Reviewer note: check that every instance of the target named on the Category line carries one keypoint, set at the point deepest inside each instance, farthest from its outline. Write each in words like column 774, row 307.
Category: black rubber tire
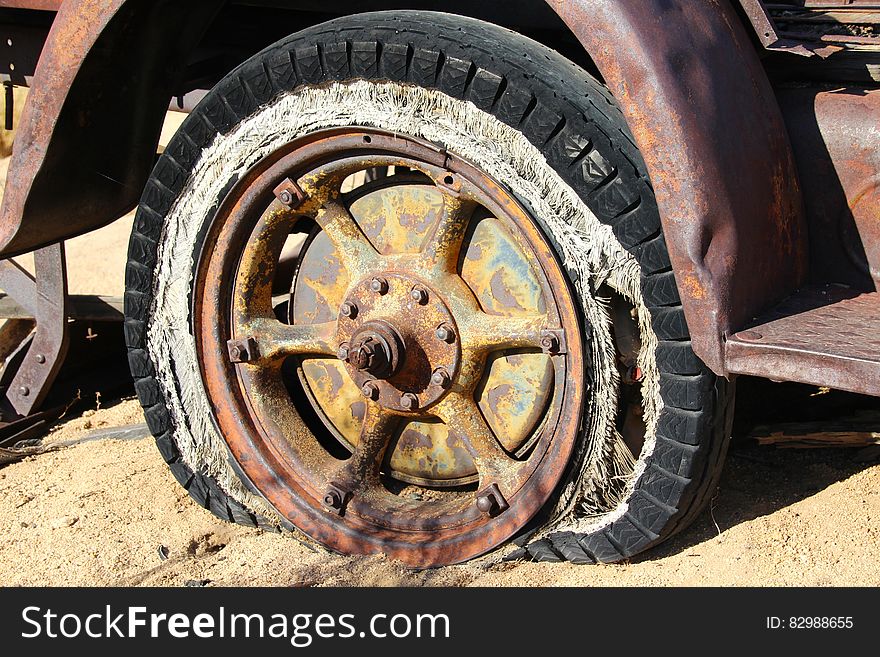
column 567, row 115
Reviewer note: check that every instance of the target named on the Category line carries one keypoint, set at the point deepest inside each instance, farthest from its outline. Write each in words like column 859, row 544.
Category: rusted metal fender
column 88, row 134
column 704, row 116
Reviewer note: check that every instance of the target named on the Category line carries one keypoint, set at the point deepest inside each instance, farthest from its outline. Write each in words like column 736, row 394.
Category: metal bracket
column 45, row 295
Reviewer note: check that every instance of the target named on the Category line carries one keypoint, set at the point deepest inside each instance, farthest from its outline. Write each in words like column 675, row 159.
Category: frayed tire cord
column 573, row 164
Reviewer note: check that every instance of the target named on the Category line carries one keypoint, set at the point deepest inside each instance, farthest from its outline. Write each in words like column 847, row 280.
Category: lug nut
column 445, row 333
column 286, row 197
column 419, row 295
column 486, row 504
column 349, row 310
column 379, row 286
column 441, row 378
column 409, row 401
column 242, row 351
column 336, row 498
column 491, row 501
column 550, row 344
column 370, row 390
column 342, row 352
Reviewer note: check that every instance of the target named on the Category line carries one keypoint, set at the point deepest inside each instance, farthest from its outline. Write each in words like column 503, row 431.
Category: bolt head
column 349, row 310
column 370, row 390
column 342, row 352
column 332, row 499
column 235, row 352
column 285, row 197
column 550, row 344
column 40, row 358
column 486, row 504
column 379, row 286
column 419, row 295
column 24, row 391
column 409, row 401
column 441, row 378
column 445, row 333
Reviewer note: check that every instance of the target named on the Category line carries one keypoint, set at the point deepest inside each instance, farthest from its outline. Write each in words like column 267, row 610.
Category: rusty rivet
column 349, row 310
column 342, row 352
column 40, row 358
column 242, row 351
column 409, row 401
column 24, row 391
column 445, row 333
column 419, row 295
column 441, row 378
column 750, row 336
column 379, row 286
column 370, row 390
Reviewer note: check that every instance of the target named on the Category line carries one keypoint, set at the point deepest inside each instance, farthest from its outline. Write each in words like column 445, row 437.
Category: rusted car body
column 758, row 122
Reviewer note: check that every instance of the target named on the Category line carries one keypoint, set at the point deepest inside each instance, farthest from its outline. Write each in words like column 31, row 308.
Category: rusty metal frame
column 45, row 297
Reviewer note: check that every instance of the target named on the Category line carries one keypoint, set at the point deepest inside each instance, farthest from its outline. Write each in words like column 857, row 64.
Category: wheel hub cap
column 399, row 343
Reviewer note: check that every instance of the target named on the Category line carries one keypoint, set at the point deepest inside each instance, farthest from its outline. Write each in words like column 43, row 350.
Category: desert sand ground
column 108, row 512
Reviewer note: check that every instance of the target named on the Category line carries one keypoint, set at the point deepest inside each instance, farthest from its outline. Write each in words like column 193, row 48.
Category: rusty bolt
column 486, row 504
column 40, row 358
column 370, row 390
column 550, row 344
column 441, row 378
column 419, row 295
column 379, row 286
column 491, row 501
column 242, row 351
column 445, row 333
column 409, row 401
column 342, row 352
column 290, row 194
column 349, row 310
column 24, row 391
column 335, row 498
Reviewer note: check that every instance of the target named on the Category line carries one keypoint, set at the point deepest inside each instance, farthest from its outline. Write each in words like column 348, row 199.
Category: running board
column 825, row 336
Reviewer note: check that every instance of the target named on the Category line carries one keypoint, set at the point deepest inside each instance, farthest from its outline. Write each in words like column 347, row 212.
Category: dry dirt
column 108, row 512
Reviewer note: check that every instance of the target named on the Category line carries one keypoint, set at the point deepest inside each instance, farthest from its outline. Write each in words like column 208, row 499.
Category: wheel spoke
column 355, row 250
column 488, row 333
column 376, row 431
column 444, row 246
column 276, row 341
column 465, row 422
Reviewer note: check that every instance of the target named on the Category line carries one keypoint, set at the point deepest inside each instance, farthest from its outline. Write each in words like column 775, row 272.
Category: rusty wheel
column 411, row 403
column 415, row 299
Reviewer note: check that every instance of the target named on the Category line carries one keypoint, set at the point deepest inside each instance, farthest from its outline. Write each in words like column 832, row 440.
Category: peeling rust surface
column 836, row 137
column 704, row 116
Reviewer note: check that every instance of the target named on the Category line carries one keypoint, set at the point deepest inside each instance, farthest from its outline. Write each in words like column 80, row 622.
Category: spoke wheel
column 409, row 401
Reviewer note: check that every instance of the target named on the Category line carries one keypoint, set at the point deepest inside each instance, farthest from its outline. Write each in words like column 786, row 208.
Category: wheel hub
column 399, row 341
